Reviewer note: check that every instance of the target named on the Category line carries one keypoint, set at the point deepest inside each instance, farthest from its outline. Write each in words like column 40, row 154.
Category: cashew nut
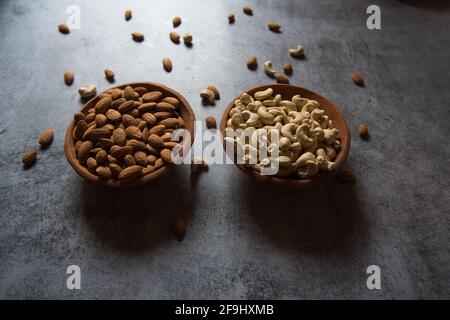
column 245, row 98
column 208, row 95
column 268, row 69
column 297, row 52
column 291, row 106
column 288, row 131
column 252, row 119
column 86, row 92
column 302, row 135
column 265, row 116
column 324, row 164
column 309, row 170
column 263, row 95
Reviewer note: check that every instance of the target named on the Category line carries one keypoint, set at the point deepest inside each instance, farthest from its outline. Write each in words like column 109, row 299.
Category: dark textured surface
column 243, row 240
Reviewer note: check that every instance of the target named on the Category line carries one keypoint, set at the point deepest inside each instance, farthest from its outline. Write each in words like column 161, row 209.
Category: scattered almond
column 248, row 10
column 288, row 69
column 137, row 36
column 109, row 74
column 346, row 176
column 176, row 21
column 187, row 38
column 252, row 63
column 211, row 122
column 363, row 131
column 29, row 158
column 127, row 14
column 167, row 64
column 358, row 79
column 281, row 78
column 231, row 18
column 63, row 28
column 68, row 77
column 46, row 137
column 175, row 37
column 275, row 27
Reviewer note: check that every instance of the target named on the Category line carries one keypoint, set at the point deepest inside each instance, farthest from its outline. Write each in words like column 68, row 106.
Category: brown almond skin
column 175, row 37
column 231, row 18
column 248, row 10
column 281, row 78
column 172, row 100
column 63, row 28
column 137, row 36
column 137, row 145
column 78, row 116
column 363, row 131
column 274, row 27
column 158, row 129
column 358, row 79
column 155, row 141
column 113, row 115
column 80, row 129
column 179, row 228
column 252, row 63
column 149, row 118
column 68, row 77
column 346, row 176
column 46, row 137
column 127, row 14
column 83, row 150
column 166, row 155
column 169, row 122
column 152, row 96
column 103, row 172
column 288, row 69
column 126, row 106
column 29, row 158
column 109, row 74
column 103, row 105
column 167, row 64
column 214, row 89
column 133, row 132
column 165, row 106
column 211, row 122
column 128, row 93
column 130, row 173
column 176, row 21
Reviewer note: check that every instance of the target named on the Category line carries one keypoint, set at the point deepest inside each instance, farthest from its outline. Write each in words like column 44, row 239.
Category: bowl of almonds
column 286, row 135
column 123, row 137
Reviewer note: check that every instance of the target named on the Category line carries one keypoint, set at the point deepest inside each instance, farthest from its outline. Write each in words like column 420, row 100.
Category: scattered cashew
column 297, row 52
column 268, row 69
column 208, row 95
column 86, row 92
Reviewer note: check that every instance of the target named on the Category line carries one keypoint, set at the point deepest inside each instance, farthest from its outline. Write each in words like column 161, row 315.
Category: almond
column 78, row 116
column 151, row 159
column 147, row 107
column 172, row 100
column 137, row 36
column 215, row 90
column 152, row 96
column 80, row 129
column 127, row 14
column 248, row 10
column 288, row 69
column 175, row 37
column 281, row 78
column 105, row 143
column 103, row 105
column 141, row 158
column 96, row 134
column 91, row 164
column 129, row 120
column 133, row 132
column 231, row 18
column 101, row 156
column 346, row 176
column 176, row 21
column 166, row 155
column 116, row 103
column 148, row 169
column 113, row 115
column 165, row 106
column 137, row 145
column 109, row 74
column 63, row 28
column 140, row 90
column 128, row 93
column 29, row 158
column 252, row 63
column 149, row 118
column 104, row 172
column 119, row 136
column 274, row 27
column 83, row 150
column 145, row 134
column 68, row 77
column 358, row 79
column 115, row 169
column 211, row 122
column 170, row 144
column 159, row 163
column 162, row 115
column 100, row 120
column 142, row 124
column 155, row 141
column 363, row 131
column 129, row 160
column 169, row 122
column 121, row 152
column 126, row 106
column 130, row 173
column 179, row 228
column 167, row 64
column 46, row 137
column 158, row 129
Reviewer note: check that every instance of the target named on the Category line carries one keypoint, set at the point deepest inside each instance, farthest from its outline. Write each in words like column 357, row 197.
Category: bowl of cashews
column 286, row 135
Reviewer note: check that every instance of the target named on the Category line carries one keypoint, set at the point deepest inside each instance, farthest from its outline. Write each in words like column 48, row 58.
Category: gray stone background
column 243, row 240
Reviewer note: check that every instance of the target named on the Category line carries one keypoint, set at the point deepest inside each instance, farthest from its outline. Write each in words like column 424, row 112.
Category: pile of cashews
column 307, row 143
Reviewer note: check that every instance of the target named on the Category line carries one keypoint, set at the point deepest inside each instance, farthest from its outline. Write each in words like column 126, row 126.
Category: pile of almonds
column 127, row 134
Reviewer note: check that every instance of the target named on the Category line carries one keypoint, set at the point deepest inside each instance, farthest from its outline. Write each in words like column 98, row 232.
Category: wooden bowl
column 331, row 110
column 184, row 111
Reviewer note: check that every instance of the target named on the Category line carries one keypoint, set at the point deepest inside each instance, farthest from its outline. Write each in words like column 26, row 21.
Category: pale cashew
column 284, row 161
column 252, row 107
column 246, row 98
column 291, row 106
column 252, row 119
column 288, row 131
column 298, row 117
column 318, row 133
column 86, row 92
column 299, row 101
column 236, row 120
column 330, row 135
column 270, row 103
column 309, row 170
column 277, row 99
column 301, row 161
column 208, row 95
column 330, row 151
column 296, row 149
column 263, row 95
column 284, row 144
column 268, row 69
column 302, row 135
column 316, row 114
column 324, row 164
column 265, row 116
column 297, row 52
column 310, row 106
column 323, row 122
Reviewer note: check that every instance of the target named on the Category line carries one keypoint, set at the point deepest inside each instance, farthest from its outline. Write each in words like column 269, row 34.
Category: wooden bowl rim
column 69, row 146
column 291, row 182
